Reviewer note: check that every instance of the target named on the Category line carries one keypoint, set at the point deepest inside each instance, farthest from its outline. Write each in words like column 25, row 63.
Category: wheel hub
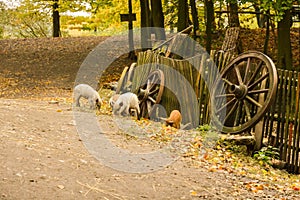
column 240, row 91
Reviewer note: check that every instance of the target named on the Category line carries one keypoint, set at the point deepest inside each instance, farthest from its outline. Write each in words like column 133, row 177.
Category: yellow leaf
column 193, row 193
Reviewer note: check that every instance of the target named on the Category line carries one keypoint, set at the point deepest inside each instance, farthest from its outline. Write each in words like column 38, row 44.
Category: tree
column 194, row 17
column 145, row 24
column 209, row 23
column 158, row 19
column 282, row 9
column 183, row 15
column 55, row 19
column 284, row 57
column 233, row 14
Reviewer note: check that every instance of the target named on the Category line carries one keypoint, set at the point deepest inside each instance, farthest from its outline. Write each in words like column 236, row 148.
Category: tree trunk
column 284, row 59
column 145, row 25
column 194, row 17
column 183, row 15
column 55, row 17
column 267, row 33
column 209, row 23
column 158, row 19
column 233, row 15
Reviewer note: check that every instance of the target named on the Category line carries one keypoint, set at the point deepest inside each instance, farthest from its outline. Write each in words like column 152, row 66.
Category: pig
column 113, row 100
column 87, row 92
column 174, row 119
column 125, row 102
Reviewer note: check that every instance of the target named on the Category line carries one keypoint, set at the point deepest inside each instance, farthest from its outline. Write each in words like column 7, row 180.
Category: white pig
column 125, row 102
column 113, row 100
column 86, row 91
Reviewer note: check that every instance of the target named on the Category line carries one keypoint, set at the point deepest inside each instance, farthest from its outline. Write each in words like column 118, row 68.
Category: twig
column 99, row 190
column 184, row 30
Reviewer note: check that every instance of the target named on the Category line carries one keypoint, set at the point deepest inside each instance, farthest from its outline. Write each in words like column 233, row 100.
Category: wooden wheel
column 125, row 81
column 150, row 93
column 243, row 92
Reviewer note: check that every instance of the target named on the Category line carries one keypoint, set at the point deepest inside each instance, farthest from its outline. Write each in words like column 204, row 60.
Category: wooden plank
column 297, row 126
column 231, row 39
column 259, row 126
column 125, row 17
column 283, row 115
column 287, row 116
column 279, row 138
column 295, row 134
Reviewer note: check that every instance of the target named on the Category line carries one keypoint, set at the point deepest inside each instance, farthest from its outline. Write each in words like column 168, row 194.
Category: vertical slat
column 201, row 88
column 279, row 137
column 287, row 116
column 297, row 126
column 294, row 115
column 272, row 116
column 283, row 115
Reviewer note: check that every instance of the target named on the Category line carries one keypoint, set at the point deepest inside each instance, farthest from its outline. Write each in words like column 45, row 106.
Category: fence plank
column 297, row 127
column 294, row 115
column 288, row 142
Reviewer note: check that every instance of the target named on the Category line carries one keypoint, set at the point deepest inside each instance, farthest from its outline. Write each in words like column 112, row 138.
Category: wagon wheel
column 243, row 92
column 150, row 93
column 125, row 80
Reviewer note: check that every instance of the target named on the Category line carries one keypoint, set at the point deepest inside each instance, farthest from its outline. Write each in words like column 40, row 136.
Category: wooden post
column 259, row 126
column 130, row 33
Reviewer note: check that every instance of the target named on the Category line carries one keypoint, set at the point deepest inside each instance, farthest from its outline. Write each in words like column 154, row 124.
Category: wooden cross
column 130, row 17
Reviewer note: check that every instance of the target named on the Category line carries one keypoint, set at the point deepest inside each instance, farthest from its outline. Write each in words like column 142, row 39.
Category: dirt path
column 43, row 157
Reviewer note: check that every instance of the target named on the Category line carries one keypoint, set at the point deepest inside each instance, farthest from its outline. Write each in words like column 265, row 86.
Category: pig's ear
column 121, row 104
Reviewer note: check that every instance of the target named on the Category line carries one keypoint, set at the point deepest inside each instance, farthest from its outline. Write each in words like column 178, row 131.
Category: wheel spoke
column 148, row 85
column 151, row 99
column 224, row 95
column 231, row 111
column 237, row 116
column 247, row 110
column 152, row 85
column 258, row 80
column 253, row 101
column 154, row 91
column 255, row 72
column 154, row 77
column 247, row 69
column 258, row 91
column 227, row 104
column 238, row 74
column 227, row 81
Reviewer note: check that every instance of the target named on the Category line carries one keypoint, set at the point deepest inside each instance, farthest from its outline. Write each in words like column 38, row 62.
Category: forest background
column 278, row 21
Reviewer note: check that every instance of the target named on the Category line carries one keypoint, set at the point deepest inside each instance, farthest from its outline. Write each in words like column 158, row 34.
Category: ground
column 43, row 156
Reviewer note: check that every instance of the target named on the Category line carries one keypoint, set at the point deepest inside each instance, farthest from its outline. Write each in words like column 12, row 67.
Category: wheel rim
column 151, row 92
column 121, row 81
column 243, row 92
column 125, row 81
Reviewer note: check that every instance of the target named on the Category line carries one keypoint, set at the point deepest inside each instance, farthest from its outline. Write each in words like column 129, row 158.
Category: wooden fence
column 282, row 122
column 187, row 82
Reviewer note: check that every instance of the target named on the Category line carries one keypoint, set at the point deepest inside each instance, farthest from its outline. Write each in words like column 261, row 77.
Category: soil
column 44, row 157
